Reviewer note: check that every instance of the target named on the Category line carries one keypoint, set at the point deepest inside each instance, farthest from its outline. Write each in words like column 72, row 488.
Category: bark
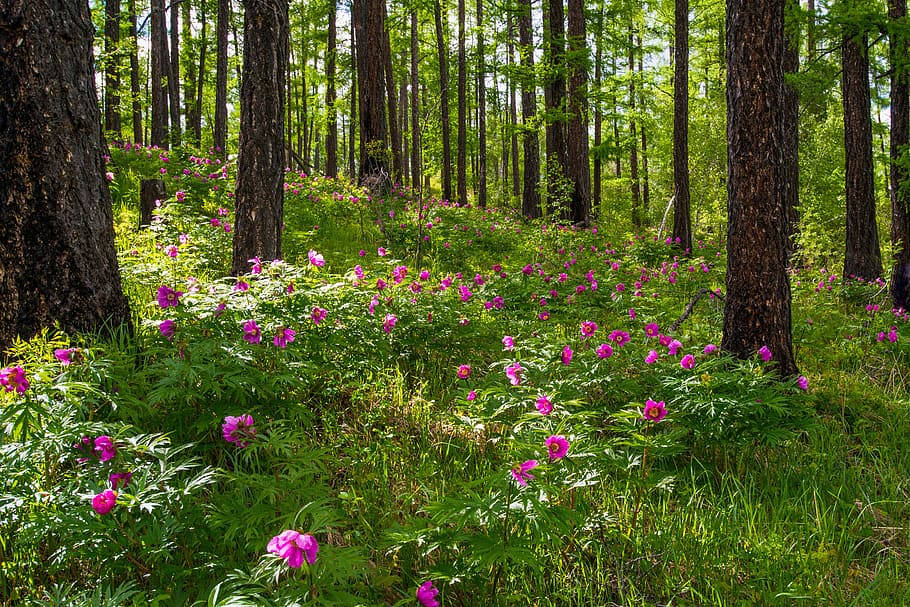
column 637, row 216
column 757, row 305
column 221, row 70
column 189, row 81
column 617, row 159
column 197, row 123
column 331, row 127
column 530, row 203
column 578, row 168
column 598, row 115
column 112, row 66
column 444, row 104
column 374, row 138
column 405, row 134
column 481, row 113
column 57, row 256
column 645, row 185
column 791, row 131
column 513, row 114
column 461, row 168
column 150, row 192
column 352, row 166
column 173, row 77
column 158, row 51
column 862, row 258
column 811, row 30
column 555, row 99
column 682, row 218
column 134, row 75
column 415, row 107
column 391, row 93
column 260, row 160
column 900, row 138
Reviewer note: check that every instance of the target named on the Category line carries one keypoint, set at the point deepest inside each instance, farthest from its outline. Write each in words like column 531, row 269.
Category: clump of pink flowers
column 13, row 379
column 238, row 429
column 426, row 594
column 104, row 502
column 294, row 547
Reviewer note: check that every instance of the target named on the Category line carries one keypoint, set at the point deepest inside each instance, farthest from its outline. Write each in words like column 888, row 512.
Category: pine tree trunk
column 352, row 166
column 57, row 256
column 598, row 114
column 134, row 75
column 791, row 129
column 405, row 134
column 530, row 204
column 444, row 104
column 203, row 48
column 461, row 168
column 645, row 186
column 556, row 131
column 481, row 113
column 862, row 258
column 173, row 82
column 415, row 107
column 637, row 215
column 160, row 64
column 189, row 81
column 391, row 93
column 513, row 114
column 112, row 67
column 260, row 159
column 221, row 70
column 331, row 127
column 757, row 304
column 900, row 138
column 682, row 219
column 374, row 138
column 810, row 9
column 578, row 168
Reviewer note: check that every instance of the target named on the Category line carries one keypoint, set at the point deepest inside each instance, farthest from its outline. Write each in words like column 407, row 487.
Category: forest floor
column 397, row 422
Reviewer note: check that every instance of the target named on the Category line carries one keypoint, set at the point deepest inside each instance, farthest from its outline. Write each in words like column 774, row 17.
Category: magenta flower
column 284, row 337
column 167, row 328
column 318, row 315
column 544, row 315
column 242, row 286
column 105, row 448
column 120, row 479
column 237, row 429
column 521, row 472
column 381, row 251
column 399, row 273
column 557, row 446
column 389, row 322
column 513, row 372
column 544, row 405
column 64, row 355
column 426, row 594
column 315, row 258
column 168, row 297
column 251, row 332
column 687, row 362
column 765, row 353
column 604, row 351
column 104, row 502
column 294, row 547
column 588, row 328
column 508, row 342
column 674, row 346
column 472, row 395
column 803, row 383
column 171, row 251
column 710, row 349
column 620, row 337
column 652, row 329
column 652, row 357
column 464, row 371
column 567, row 355
column 654, row 412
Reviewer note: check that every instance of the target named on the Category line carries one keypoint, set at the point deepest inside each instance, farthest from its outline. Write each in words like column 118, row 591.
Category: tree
column 444, row 104
column 461, row 169
column 637, row 215
column 160, row 65
column 221, row 70
column 757, row 304
column 260, row 160
column 862, row 258
column 513, row 111
column 530, row 204
column 415, row 107
column 481, row 112
column 173, row 77
column 578, row 169
column 682, row 220
column 900, row 138
column 134, row 75
column 57, row 256
column 374, row 143
column 331, row 128
column 791, row 123
column 555, row 100
column 112, row 66
column 394, row 131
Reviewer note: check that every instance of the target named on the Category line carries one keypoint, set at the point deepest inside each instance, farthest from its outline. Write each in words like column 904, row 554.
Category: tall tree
column 352, row 165
column 645, row 184
column 57, row 256
column 331, row 127
column 682, row 220
column 637, row 215
column 513, row 110
column 578, row 168
column 481, row 112
column 200, row 85
column 415, row 107
column 260, row 160
column 900, row 138
column 391, row 92
column 374, row 137
column 598, row 114
column 134, row 74
column 112, row 66
column 189, row 80
column 757, row 304
column 442, row 53
column 173, row 77
column 221, row 75
column 792, row 16
column 160, row 68
column 530, row 204
column 862, row 258
column 462, row 162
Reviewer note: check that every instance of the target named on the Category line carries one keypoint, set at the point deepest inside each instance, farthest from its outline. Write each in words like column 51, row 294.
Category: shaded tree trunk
column 112, row 66
column 189, row 81
column 481, row 112
column 682, row 219
column 637, row 215
column 221, row 70
column 415, row 107
column 791, row 128
column 391, row 94
column 862, row 258
column 134, row 75
column 57, row 256
column 374, row 143
column 900, row 138
column 811, row 30
column 645, row 185
column 203, row 49
column 352, row 166
column 578, row 168
column 158, row 52
column 530, row 204
column 462, row 166
column 513, row 113
column 331, row 127
column 260, row 159
column 444, row 104
column 405, row 134
column 598, row 114
column 173, row 77
column 757, row 304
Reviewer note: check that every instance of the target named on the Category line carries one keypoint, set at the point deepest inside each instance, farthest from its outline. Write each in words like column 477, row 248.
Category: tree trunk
column 530, row 203
column 331, row 126
column 415, row 107
column 260, row 160
column 57, row 256
column 513, row 113
column 578, row 169
column 598, row 114
column 158, row 51
column 900, row 138
column 645, row 185
column 151, row 191
column 682, row 219
column 134, row 75
column 173, row 77
column 637, row 215
column 811, row 30
column 555, row 98
column 112, row 67
column 791, row 128
column 617, row 154
column 444, row 104
column 757, row 304
column 221, row 76
column 374, row 139
column 189, row 81
column 862, row 258
column 481, row 113
column 203, row 41
column 352, row 166
column 461, row 168
column 391, row 94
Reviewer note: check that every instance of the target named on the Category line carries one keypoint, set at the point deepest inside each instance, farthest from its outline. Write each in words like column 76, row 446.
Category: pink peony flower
column 557, row 446
column 464, row 371
column 318, row 315
column 472, row 395
column 64, row 355
column 710, row 349
column 652, row 329
column 674, row 346
column 514, row 372
column 654, row 411
column 316, row 259
column 294, row 547
column 168, row 297
column 567, row 355
column 652, row 357
column 508, row 342
column 284, row 337
column 588, row 328
column 687, row 362
column 251, row 332
column 544, row 405
column 426, row 594
column 381, row 251
column 105, row 448
column 765, row 353
column 237, row 429
column 604, row 351
column 620, row 337
column 803, row 383
column 389, row 322
column 167, row 328
column 120, row 479
column 521, row 472
column 104, row 502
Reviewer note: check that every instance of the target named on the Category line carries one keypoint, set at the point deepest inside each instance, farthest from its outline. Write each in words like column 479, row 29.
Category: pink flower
column 318, row 315
column 464, row 371
column 588, row 328
column 544, row 405
column 105, row 448
column 64, row 355
column 521, row 472
column 765, row 353
column 426, row 594
column 803, row 383
column 242, row 286
column 167, row 328
column 674, row 346
column 316, row 259
column 171, row 251
column 604, row 351
column 294, row 547
column 256, row 267
column 120, row 479
column 381, row 251
column 651, row 329
column 508, row 342
column 399, row 273
column 710, row 349
column 567, row 355
column 513, row 372
column 632, row 314
column 687, row 362
column 168, row 297
column 251, row 332
column 104, row 502
column 654, row 411
column 472, row 395
column 652, row 357
column 284, row 337
column 389, row 322
column 557, row 446
column 620, row 337
column 237, row 429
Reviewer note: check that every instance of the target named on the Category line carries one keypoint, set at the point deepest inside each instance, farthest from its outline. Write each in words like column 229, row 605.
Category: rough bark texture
column 862, row 258
column 374, row 139
column 173, row 79
column 150, row 192
column 160, row 64
column 900, row 138
column 461, row 168
column 57, row 257
column 481, row 112
column 444, row 104
column 530, row 202
column 555, row 100
column 221, row 70
column 112, row 67
column 203, row 48
column 578, row 168
column 331, row 127
column 134, row 75
column 415, row 106
column 391, row 92
column 352, row 165
column 682, row 219
column 598, row 115
column 260, row 161
column 189, row 80
column 791, row 128
column 757, row 305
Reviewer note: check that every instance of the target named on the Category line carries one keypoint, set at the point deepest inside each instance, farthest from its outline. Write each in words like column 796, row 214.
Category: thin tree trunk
column 160, row 64
column 374, row 136
column 645, row 186
column 578, row 168
column 900, row 138
column 682, row 219
column 556, row 131
column 203, row 41
column 57, row 257
column 173, row 83
column 352, row 166
column 530, row 205
column 331, row 126
column 513, row 112
column 461, row 168
column 189, row 81
column 112, row 67
column 391, row 94
column 415, row 107
column 134, row 75
column 616, row 142
column 637, row 215
column 221, row 70
column 481, row 113
column 598, row 114
column 444, row 104
column 811, row 31
column 405, row 134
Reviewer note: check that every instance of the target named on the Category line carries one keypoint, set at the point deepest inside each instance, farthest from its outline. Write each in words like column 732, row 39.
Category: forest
column 454, row 303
